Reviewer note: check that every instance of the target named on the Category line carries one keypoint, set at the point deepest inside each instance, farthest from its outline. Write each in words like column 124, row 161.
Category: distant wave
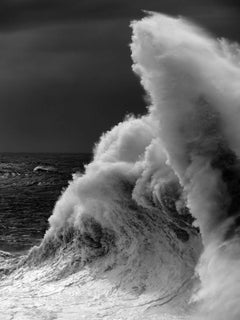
column 44, row 168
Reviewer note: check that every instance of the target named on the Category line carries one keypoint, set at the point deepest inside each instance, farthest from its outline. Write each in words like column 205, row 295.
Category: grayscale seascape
column 143, row 223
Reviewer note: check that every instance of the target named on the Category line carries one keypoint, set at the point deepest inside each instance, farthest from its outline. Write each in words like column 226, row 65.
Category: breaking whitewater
column 150, row 230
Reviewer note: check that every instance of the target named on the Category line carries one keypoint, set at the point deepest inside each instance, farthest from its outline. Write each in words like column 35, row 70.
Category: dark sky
column 65, row 67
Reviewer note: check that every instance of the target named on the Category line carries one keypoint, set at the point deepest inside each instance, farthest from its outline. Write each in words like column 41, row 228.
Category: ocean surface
column 30, row 184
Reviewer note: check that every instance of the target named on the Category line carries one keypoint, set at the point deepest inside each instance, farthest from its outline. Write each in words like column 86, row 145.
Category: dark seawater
column 27, row 196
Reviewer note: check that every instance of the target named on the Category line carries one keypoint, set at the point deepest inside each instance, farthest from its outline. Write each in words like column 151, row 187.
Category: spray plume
column 193, row 83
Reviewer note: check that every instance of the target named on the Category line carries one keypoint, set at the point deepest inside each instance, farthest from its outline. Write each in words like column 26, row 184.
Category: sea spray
column 194, row 88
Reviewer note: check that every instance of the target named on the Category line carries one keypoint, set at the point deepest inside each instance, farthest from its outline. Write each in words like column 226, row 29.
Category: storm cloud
column 66, row 69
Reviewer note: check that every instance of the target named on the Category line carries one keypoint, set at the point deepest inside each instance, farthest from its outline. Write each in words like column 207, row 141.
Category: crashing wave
column 155, row 216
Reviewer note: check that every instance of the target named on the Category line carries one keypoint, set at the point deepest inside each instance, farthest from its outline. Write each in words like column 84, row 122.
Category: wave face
column 155, row 216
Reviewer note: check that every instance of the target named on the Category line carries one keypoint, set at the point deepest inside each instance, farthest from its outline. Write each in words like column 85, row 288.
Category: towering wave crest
column 193, row 83
column 161, row 185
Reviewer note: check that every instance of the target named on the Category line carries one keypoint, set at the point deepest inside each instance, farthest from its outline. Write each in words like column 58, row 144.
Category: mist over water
column 153, row 222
